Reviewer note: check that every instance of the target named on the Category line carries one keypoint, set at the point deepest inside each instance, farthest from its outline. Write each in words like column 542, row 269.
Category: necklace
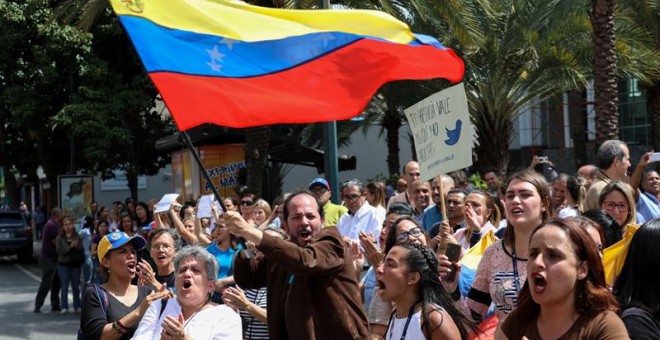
column 194, row 314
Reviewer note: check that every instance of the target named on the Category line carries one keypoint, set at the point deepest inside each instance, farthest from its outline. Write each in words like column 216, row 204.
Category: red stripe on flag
column 336, row 86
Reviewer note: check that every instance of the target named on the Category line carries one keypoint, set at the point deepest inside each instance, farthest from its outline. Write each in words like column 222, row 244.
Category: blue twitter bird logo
column 454, row 135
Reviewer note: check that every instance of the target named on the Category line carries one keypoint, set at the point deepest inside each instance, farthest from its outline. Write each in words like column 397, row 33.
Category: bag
column 77, row 257
column 104, row 307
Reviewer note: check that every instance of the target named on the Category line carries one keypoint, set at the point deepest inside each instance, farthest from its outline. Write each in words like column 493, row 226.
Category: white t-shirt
column 219, row 322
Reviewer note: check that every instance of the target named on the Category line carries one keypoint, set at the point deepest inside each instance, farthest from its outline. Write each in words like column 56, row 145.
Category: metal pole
column 331, row 166
column 205, row 173
column 207, row 177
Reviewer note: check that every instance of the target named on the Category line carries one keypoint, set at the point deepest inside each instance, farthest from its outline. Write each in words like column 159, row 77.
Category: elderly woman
column 191, row 315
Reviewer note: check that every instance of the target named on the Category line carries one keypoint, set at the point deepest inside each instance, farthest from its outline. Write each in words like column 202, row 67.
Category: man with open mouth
column 312, row 287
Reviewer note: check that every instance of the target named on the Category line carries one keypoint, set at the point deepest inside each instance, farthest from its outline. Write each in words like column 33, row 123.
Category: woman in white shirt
column 191, row 315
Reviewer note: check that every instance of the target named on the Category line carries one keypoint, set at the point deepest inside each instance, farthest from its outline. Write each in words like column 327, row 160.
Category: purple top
column 51, row 229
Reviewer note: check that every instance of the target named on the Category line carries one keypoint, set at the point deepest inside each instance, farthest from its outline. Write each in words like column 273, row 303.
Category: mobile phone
column 655, row 157
column 453, row 252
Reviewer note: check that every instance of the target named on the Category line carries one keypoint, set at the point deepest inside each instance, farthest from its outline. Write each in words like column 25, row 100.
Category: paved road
column 18, row 287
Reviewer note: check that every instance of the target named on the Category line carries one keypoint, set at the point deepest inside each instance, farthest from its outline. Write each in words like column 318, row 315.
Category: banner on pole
column 442, row 131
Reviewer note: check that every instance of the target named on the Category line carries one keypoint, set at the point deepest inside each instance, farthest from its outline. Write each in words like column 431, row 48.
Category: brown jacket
column 312, row 291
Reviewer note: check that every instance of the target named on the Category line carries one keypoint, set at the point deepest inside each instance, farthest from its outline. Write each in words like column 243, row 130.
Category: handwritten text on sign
column 442, row 131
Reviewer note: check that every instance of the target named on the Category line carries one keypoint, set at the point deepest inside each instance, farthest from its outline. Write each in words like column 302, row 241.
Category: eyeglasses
column 414, row 232
column 609, row 205
column 248, row 203
column 351, row 197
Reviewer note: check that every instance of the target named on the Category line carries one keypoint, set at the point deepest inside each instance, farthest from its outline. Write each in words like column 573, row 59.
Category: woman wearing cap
column 192, row 315
column 113, row 310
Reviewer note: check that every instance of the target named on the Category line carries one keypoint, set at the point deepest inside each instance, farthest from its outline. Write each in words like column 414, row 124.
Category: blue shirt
column 648, row 206
column 225, row 259
column 370, row 282
column 431, row 216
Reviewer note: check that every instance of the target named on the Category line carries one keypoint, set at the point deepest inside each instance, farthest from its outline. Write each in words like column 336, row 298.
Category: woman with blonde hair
column 261, row 211
column 576, row 187
column 617, row 199
column 481, row 216
column 375, row 193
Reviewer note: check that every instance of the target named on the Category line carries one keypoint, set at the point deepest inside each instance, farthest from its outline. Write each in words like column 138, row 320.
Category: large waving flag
column 237, row 65
column 615, row 255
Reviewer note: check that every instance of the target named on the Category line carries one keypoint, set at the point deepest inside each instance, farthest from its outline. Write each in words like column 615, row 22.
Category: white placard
column 165, row 203
column 442, row 131
column 204, row 206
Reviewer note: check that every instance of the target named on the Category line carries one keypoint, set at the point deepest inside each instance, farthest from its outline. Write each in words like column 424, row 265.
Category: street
column 18, row 287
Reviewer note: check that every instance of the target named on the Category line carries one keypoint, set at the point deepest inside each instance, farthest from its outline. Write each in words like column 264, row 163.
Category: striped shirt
column 253, row 328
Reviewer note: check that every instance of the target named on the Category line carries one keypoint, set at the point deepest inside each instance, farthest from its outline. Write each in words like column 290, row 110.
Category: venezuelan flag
column 237, row 65
column 470, row 262
column 614, row 256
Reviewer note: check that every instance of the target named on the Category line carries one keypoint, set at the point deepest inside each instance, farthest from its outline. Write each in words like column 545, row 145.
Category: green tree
column 114, row 110
column 40, row 65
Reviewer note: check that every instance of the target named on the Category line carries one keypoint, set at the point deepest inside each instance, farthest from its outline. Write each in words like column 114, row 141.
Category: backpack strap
column 103, row 298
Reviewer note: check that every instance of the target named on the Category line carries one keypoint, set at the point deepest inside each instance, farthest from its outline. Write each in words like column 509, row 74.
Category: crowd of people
column 376, row 266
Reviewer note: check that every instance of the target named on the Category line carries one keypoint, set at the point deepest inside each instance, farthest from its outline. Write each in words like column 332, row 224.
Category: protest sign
column 166, row 202
column 442, row 131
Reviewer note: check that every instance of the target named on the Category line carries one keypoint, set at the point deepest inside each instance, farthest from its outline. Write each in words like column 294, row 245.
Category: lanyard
column 514, row 260
column 405, row 327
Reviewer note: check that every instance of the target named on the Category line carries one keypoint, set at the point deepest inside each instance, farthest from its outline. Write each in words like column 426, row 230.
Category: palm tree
column 604, row 59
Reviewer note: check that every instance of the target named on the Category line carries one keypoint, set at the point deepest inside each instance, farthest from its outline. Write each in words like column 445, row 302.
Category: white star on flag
column 229, row 42
column 325, row 37
column 214, row 66
column 214, row 54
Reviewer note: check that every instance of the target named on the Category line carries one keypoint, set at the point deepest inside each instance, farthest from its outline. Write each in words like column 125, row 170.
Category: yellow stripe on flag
column 473, row 255
column 615, row 255
column 222, row 17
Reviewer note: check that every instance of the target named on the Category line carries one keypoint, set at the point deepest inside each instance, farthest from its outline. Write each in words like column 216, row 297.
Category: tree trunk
column 578, row 126
column 131, row 178
column 493, row 131
column 605, row 81
column 257, row 143
column 51, row 167
column 391, row 123
column 11, row 188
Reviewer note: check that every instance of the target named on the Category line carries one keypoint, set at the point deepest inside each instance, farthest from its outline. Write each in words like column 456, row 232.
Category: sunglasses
column 248, row 203
column 351, row 197
column 414, row 232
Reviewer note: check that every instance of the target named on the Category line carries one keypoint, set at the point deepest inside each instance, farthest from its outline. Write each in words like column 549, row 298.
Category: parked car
column 15, row 235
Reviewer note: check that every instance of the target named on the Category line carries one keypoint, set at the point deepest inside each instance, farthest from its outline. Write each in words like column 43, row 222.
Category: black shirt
column 93, row 319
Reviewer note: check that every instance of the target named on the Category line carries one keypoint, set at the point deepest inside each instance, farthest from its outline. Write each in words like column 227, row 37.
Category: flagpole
column 330, row 164
column 207, row 177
